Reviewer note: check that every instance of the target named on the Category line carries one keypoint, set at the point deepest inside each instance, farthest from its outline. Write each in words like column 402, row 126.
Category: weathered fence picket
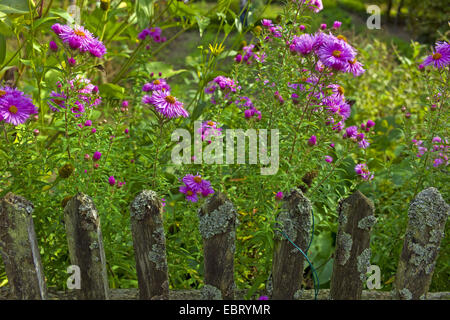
column 427, row 213
column 294, row 220
column 352, row 255
column 218, row 229
column 85, row 241
column 19, row 249
column 149, row 246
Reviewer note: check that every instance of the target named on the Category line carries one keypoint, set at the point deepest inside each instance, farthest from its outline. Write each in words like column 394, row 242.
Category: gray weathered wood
column 218, row 229
column 85, row 242
column 427, row 213
column 294, row 220
column 149, row 246
column 19, row 249
column 133, row 294
column 352, row 256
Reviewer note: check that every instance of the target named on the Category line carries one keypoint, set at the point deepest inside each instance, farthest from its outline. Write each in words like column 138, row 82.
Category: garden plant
column 194, row 100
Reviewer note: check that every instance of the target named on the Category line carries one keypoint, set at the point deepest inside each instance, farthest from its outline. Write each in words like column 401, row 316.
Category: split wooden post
column 18, row 246
column 427, row 214
column 352, row 256
column 218, row 229
column 85, row 242
column 294, row 220
column 149, row 246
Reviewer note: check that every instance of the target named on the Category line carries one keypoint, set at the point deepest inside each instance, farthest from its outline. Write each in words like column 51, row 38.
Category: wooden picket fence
column 428, row 213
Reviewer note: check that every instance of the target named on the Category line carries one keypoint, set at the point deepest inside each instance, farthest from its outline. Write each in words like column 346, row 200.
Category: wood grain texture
column 218, row 229
column 352, row 256
column 85, row 241
column 294, row 220
column 19, row 249
column 149, row 246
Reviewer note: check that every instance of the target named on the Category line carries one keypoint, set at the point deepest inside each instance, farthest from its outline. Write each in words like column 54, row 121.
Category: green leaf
column 202, row 22
column 166, row 69
column 2, row 48
column 112, row 90
column 14, row 6
column 62, row 14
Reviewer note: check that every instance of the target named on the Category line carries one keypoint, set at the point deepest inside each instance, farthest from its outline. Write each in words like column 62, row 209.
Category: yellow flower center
column 80, row 33
column 189, row 193
column 341, row 37
column 437, row 56
column 156, row 82
column 352, row 62
column 13, row 109
column 336, row 53
column 170, row 99
column 197, row 179
column 2, row 93
column 210, row 123
column 341, row 90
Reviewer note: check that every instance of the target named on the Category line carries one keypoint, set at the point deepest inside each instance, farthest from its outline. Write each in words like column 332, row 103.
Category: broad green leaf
column 166, row 69
column 112, row 90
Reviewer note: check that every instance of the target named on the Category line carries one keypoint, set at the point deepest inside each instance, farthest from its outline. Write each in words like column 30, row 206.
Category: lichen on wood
column 19, row 250
column 294, row 220
column 428, row 213
column 352, row 255
column 149, row 244
column 217, row 225
column 86, row 251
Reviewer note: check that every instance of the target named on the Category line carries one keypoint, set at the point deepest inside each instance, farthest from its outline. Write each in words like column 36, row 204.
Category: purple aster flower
column 363, row 171
column 195, row 183
column 335, row 54
column 337, row 24
column 53, row 46
column 440, row 57
column 72, row 61
column 97, row 155
column 190, row 194
column 303, row 44
column 312, row 141
column 88, row 123
column 323, row 26
column 354, row 67
column 363, row 144
column 328, row 159
column 279, row 195
column 437, row 162
column 370, row 124
column 313, row 5
column 112, row 180
column 266, row 22
column 157, row 84
column 208, row 129
column 166, row 104
column 351, row 132
column 80, row 38
column 15, row 106
column 437, row 139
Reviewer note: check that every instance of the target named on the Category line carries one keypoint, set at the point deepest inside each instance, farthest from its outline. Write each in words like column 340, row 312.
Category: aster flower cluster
column 438, row 153
column 84, row 93
column 248, row 55
column 440, row 57
column 353, row 134
column 162, row 101
column 15, row 106
column 313, row 5
column 209, row 129
column 226, row 85
column 331, row 51
column 79, row 38
column 195, row 186
column 362, row 171
column 274, row 31
column 154, row 33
